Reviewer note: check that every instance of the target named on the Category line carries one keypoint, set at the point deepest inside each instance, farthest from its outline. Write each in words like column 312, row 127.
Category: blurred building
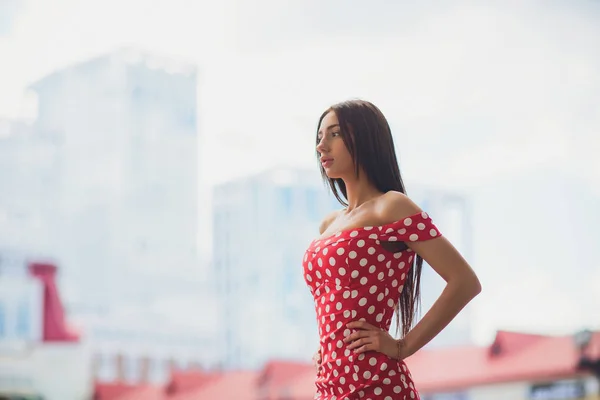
column 262, row 225
column 40, row 355
column 125, row 176
column 28, row 166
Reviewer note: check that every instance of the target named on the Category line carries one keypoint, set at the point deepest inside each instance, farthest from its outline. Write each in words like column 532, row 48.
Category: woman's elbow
column 474, row 285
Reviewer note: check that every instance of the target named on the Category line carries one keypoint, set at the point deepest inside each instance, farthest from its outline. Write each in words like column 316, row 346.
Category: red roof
column 236, row 385
column 185, row 381
column 278, row 376
column 113, row 391
column 144, row 393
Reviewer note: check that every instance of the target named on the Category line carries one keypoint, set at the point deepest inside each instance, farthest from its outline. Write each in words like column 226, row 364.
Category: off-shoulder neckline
column 423, row 215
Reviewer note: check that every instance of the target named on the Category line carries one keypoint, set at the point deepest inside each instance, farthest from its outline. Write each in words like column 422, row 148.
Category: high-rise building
column 124, row 181
column 262, row 225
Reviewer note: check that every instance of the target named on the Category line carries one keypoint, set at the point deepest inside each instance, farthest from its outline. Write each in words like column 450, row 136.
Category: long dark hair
column 368, row 138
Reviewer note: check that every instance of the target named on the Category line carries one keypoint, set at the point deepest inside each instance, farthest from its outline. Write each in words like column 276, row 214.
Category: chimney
column 144, row 369
column 120, row 368
column 55, row 327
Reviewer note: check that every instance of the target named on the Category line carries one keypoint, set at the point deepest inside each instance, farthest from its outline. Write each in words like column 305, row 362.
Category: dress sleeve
column 415, row 228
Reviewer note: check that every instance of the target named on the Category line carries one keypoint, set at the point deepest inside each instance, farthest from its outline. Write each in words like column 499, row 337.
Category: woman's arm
column 462, row 285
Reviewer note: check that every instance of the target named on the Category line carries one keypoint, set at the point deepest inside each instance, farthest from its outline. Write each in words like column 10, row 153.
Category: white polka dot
column 363, row 262
column 347, row 314
column 325, row 250
column 377, row 391
column 331, row 261
column 310, row 267
column 420, row 226
column 394, row 283
column 371, row 310
column 379, row 317
column 397, row 389
column 308, row 278
column 363, row 280
column 373, row 289
column 318, row 274
column 371, row 250
column 380, row 297
column 366, row 374
column 362, row 302
column 433, row 232
column 354, row 313
column 353, row 233
column 372, row 361
column 408, row 221
column 392, row 239
column 424, row 215
column 380, row 258
column 390, row 302
column 342, row 271
column 332, row 297
column 380, row 276
column 352, row 254
column 338, row 306
column 354, row 274
column 360, row 243
column 340, row 251
column 390, row 272
column 373, row 236
column 346, row 294
column 354, row 294
column 387, row 381
column 320, row 262
column 414, row 237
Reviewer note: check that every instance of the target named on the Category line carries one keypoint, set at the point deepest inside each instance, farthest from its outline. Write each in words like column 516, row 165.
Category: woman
column 366, row 263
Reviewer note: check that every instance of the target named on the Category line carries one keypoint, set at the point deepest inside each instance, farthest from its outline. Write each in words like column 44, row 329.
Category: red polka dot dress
column 352, row 277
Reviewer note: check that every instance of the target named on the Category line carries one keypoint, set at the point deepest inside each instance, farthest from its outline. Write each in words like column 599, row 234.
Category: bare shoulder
column 394, row 206
column 329, row 218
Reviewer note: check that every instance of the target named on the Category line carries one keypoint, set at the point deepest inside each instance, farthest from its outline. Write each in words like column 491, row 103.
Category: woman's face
column 335, row 157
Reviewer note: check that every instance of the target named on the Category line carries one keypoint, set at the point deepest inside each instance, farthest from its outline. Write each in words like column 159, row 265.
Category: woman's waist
column 363, row 368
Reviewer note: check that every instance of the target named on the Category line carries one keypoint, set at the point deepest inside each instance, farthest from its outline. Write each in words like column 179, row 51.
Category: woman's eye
column 334, row 134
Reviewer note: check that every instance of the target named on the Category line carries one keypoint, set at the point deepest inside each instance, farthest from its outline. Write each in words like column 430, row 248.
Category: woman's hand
column 370, row 338
column 317, row 360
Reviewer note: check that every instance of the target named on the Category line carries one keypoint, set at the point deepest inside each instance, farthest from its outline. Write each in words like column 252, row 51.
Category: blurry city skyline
column 497, row 100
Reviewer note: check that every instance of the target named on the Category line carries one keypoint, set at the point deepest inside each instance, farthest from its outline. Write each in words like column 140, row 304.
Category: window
column 23, row 319
column 286, row 200
column 2, row 321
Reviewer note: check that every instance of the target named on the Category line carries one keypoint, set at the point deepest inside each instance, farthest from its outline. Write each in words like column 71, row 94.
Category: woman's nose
column 321, row 147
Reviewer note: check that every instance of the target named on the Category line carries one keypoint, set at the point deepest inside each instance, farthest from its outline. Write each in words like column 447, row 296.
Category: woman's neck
column 359, row 191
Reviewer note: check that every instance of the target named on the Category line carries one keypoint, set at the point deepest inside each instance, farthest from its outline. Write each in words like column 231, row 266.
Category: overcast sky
column 497, row 98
